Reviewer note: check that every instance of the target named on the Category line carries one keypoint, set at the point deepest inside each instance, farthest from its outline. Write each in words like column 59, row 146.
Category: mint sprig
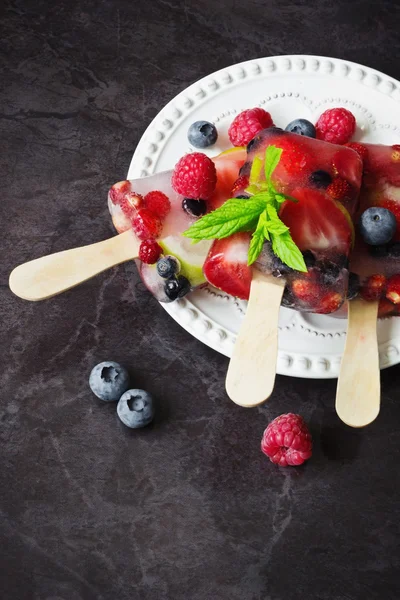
column 258, row 214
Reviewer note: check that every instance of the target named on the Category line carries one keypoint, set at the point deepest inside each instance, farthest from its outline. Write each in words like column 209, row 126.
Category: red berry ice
column 247, row 124
column 376, row 255
column 361, row 149
column 287, row 441
column 336, row 125
column 158, row 203
column 149, row 251
column 195, row 176
column 146, row 225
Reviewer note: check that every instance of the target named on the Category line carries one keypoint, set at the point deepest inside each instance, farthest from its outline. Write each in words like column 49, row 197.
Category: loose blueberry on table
column 109, row 380
column 136, row 408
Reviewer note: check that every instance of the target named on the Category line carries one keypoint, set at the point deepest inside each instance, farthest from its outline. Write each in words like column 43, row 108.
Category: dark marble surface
column 188, row 508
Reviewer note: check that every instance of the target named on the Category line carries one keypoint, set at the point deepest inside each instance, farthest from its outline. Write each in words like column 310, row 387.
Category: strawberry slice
column 317, row 222
column 228, row 165
column 226, row 265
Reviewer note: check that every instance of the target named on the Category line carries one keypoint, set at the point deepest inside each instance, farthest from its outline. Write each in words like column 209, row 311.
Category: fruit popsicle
column 325, row 180
column 155, row 211
column 374, row 262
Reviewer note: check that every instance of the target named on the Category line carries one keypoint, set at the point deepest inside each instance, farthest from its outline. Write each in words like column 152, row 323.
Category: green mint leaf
column 272, row 158
column 275, row 225
column 256, row 168
column 257, row 240
column 234, row 215
column 284, row 247
column 280, row 198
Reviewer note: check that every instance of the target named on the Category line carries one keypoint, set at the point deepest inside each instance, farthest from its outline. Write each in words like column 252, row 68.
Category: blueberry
column 194, row 208
column 279, row 268
column 320, row 178
column 168, row 266
column 329, row 272
column 377, row 225
column 202, row 134
column 309, row 259
column 242, row 197
column 136, row 408
column 353, row 286
column 302, row 127
column 177, row 287
column 108, row 381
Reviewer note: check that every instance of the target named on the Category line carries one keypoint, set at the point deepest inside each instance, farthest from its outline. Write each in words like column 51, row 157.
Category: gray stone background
column 188, row 509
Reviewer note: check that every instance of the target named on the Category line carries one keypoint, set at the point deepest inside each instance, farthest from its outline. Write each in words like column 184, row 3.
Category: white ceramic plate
column 289, row 87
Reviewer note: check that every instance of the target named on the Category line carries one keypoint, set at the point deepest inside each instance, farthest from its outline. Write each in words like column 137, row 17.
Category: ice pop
column 125, row 203
column 325, row 180
column 374, row 283
column 377, row 264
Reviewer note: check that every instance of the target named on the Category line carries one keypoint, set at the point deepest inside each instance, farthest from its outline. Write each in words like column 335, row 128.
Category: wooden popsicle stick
column 252, row 369
column 50, row 275
column 358, row 393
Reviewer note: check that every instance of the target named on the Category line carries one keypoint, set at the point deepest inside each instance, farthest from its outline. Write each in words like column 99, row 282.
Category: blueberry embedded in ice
column 377, row 225
column 108, row 381
column 136, row 408
column 168, row 266
column 320, row 178
column 177, row 287
column 202, row 134
column 194, row 208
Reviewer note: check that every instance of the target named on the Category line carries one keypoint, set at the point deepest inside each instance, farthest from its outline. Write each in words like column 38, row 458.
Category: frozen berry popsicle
column 322, row 181
column 169, row 264
column 374, row 261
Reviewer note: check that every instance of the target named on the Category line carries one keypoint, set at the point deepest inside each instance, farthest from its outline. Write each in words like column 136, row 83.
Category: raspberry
column 195, row 176
column 149, row 252
column 240, row 185
column 393, row 289
column 130, row 203
column 373, row 287
column 287, row 441
column 146, row 225
column 118, row 191
column 306, row 291
column 361, row 150
column 247, row 124
column 336, row 125
column 295, row 157
column 330, row 302
column 157, row 203
column 339, row 189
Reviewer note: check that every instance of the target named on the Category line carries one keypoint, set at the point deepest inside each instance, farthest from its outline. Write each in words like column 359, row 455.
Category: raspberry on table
column 195, row 176
column 247, row 124
column 158, row 203
column 287, row 441
column 146, row 225
column 149, row 251
column 336, row 125
column 373, row 287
